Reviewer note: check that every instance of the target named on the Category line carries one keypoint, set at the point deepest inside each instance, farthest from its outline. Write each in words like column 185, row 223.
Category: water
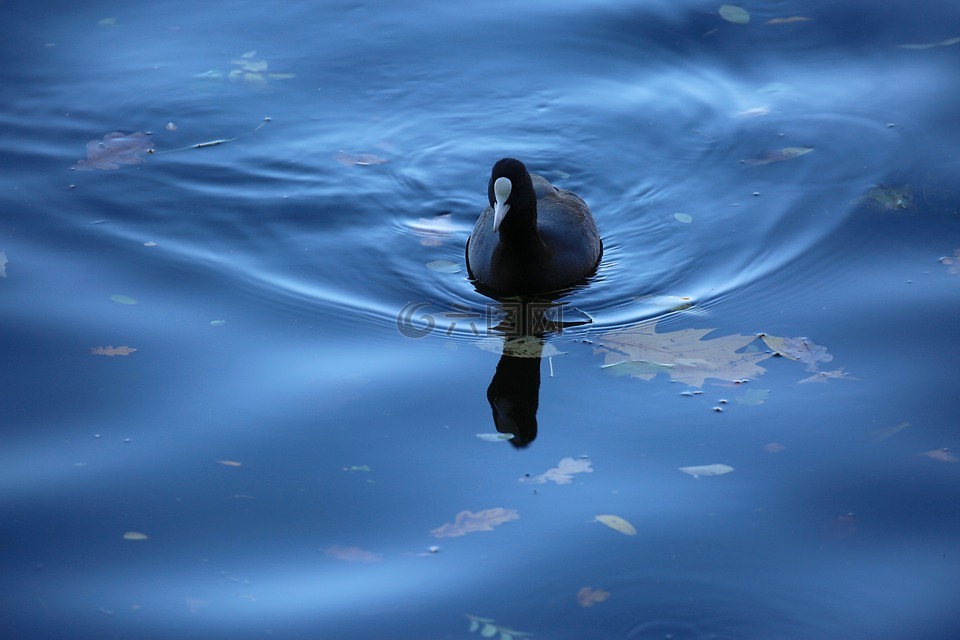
column 269, row 272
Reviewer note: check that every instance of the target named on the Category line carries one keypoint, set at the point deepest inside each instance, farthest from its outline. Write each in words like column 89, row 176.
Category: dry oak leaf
column 470, row 522
column 115, row 149
column 640, row 351
column 112, row 351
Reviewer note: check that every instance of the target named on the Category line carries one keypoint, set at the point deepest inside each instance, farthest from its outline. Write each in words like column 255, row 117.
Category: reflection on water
column 303, row 310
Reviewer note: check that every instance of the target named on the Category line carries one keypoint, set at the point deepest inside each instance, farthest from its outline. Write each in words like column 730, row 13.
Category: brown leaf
column 587, row 596
column 112, row 351
column 115, row 149
column 640, row 351
column 352, row 554
column 469, row 522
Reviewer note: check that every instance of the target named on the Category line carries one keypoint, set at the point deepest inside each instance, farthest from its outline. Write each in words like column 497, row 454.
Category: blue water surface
column 299, row 420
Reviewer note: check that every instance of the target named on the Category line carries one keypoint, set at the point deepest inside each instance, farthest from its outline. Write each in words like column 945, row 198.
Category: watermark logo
column 510, row 319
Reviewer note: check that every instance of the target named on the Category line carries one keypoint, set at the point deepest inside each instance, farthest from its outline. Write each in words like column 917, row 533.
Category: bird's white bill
column 501, row 191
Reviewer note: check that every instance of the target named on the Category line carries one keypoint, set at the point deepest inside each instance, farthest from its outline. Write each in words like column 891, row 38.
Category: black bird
column 533, row 238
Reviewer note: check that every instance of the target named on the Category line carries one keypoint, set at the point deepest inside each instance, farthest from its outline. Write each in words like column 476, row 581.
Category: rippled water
column 290, row 429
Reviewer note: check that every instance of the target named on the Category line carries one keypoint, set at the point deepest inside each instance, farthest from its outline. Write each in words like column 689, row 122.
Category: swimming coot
column 533, row 238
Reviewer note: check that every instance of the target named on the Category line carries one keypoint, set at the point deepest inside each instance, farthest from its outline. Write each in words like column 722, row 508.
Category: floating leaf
column 361, row 159
column 779, row 155
column 122, row 299
column 563, row 472
column 942, row 455
column 734, row 14
column 800, row 349
column 217, row 323
column 707, row 470
column 230, row 463
column 587, row 597
column 495, row 437
column 640, row 351
column 352, row 554
column 890, row 199
column 115, row 149
column 788, row 20
column 112, row 351
column 952, row 262
column 444, row 266
column 823, row 376
column 134, row 535
column 488, row 629
column 888, row 432
column 930, row 45
column 617, row 524
column 685, row 218
column 470, row 522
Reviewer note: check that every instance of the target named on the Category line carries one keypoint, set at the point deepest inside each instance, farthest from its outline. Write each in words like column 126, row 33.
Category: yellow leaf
column 618, row 524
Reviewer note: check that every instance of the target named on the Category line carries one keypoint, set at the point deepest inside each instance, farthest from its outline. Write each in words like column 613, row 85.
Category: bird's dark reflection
column 514, row 392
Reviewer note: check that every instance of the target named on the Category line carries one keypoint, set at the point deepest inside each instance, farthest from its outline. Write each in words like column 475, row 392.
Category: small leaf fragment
column 617, row 524
column 788, row 20
column 707, row 470
column 779, row 155
column 941, row 455
column 444, row 266
column 587, row 596
column 112, row 351
column 495, row 437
